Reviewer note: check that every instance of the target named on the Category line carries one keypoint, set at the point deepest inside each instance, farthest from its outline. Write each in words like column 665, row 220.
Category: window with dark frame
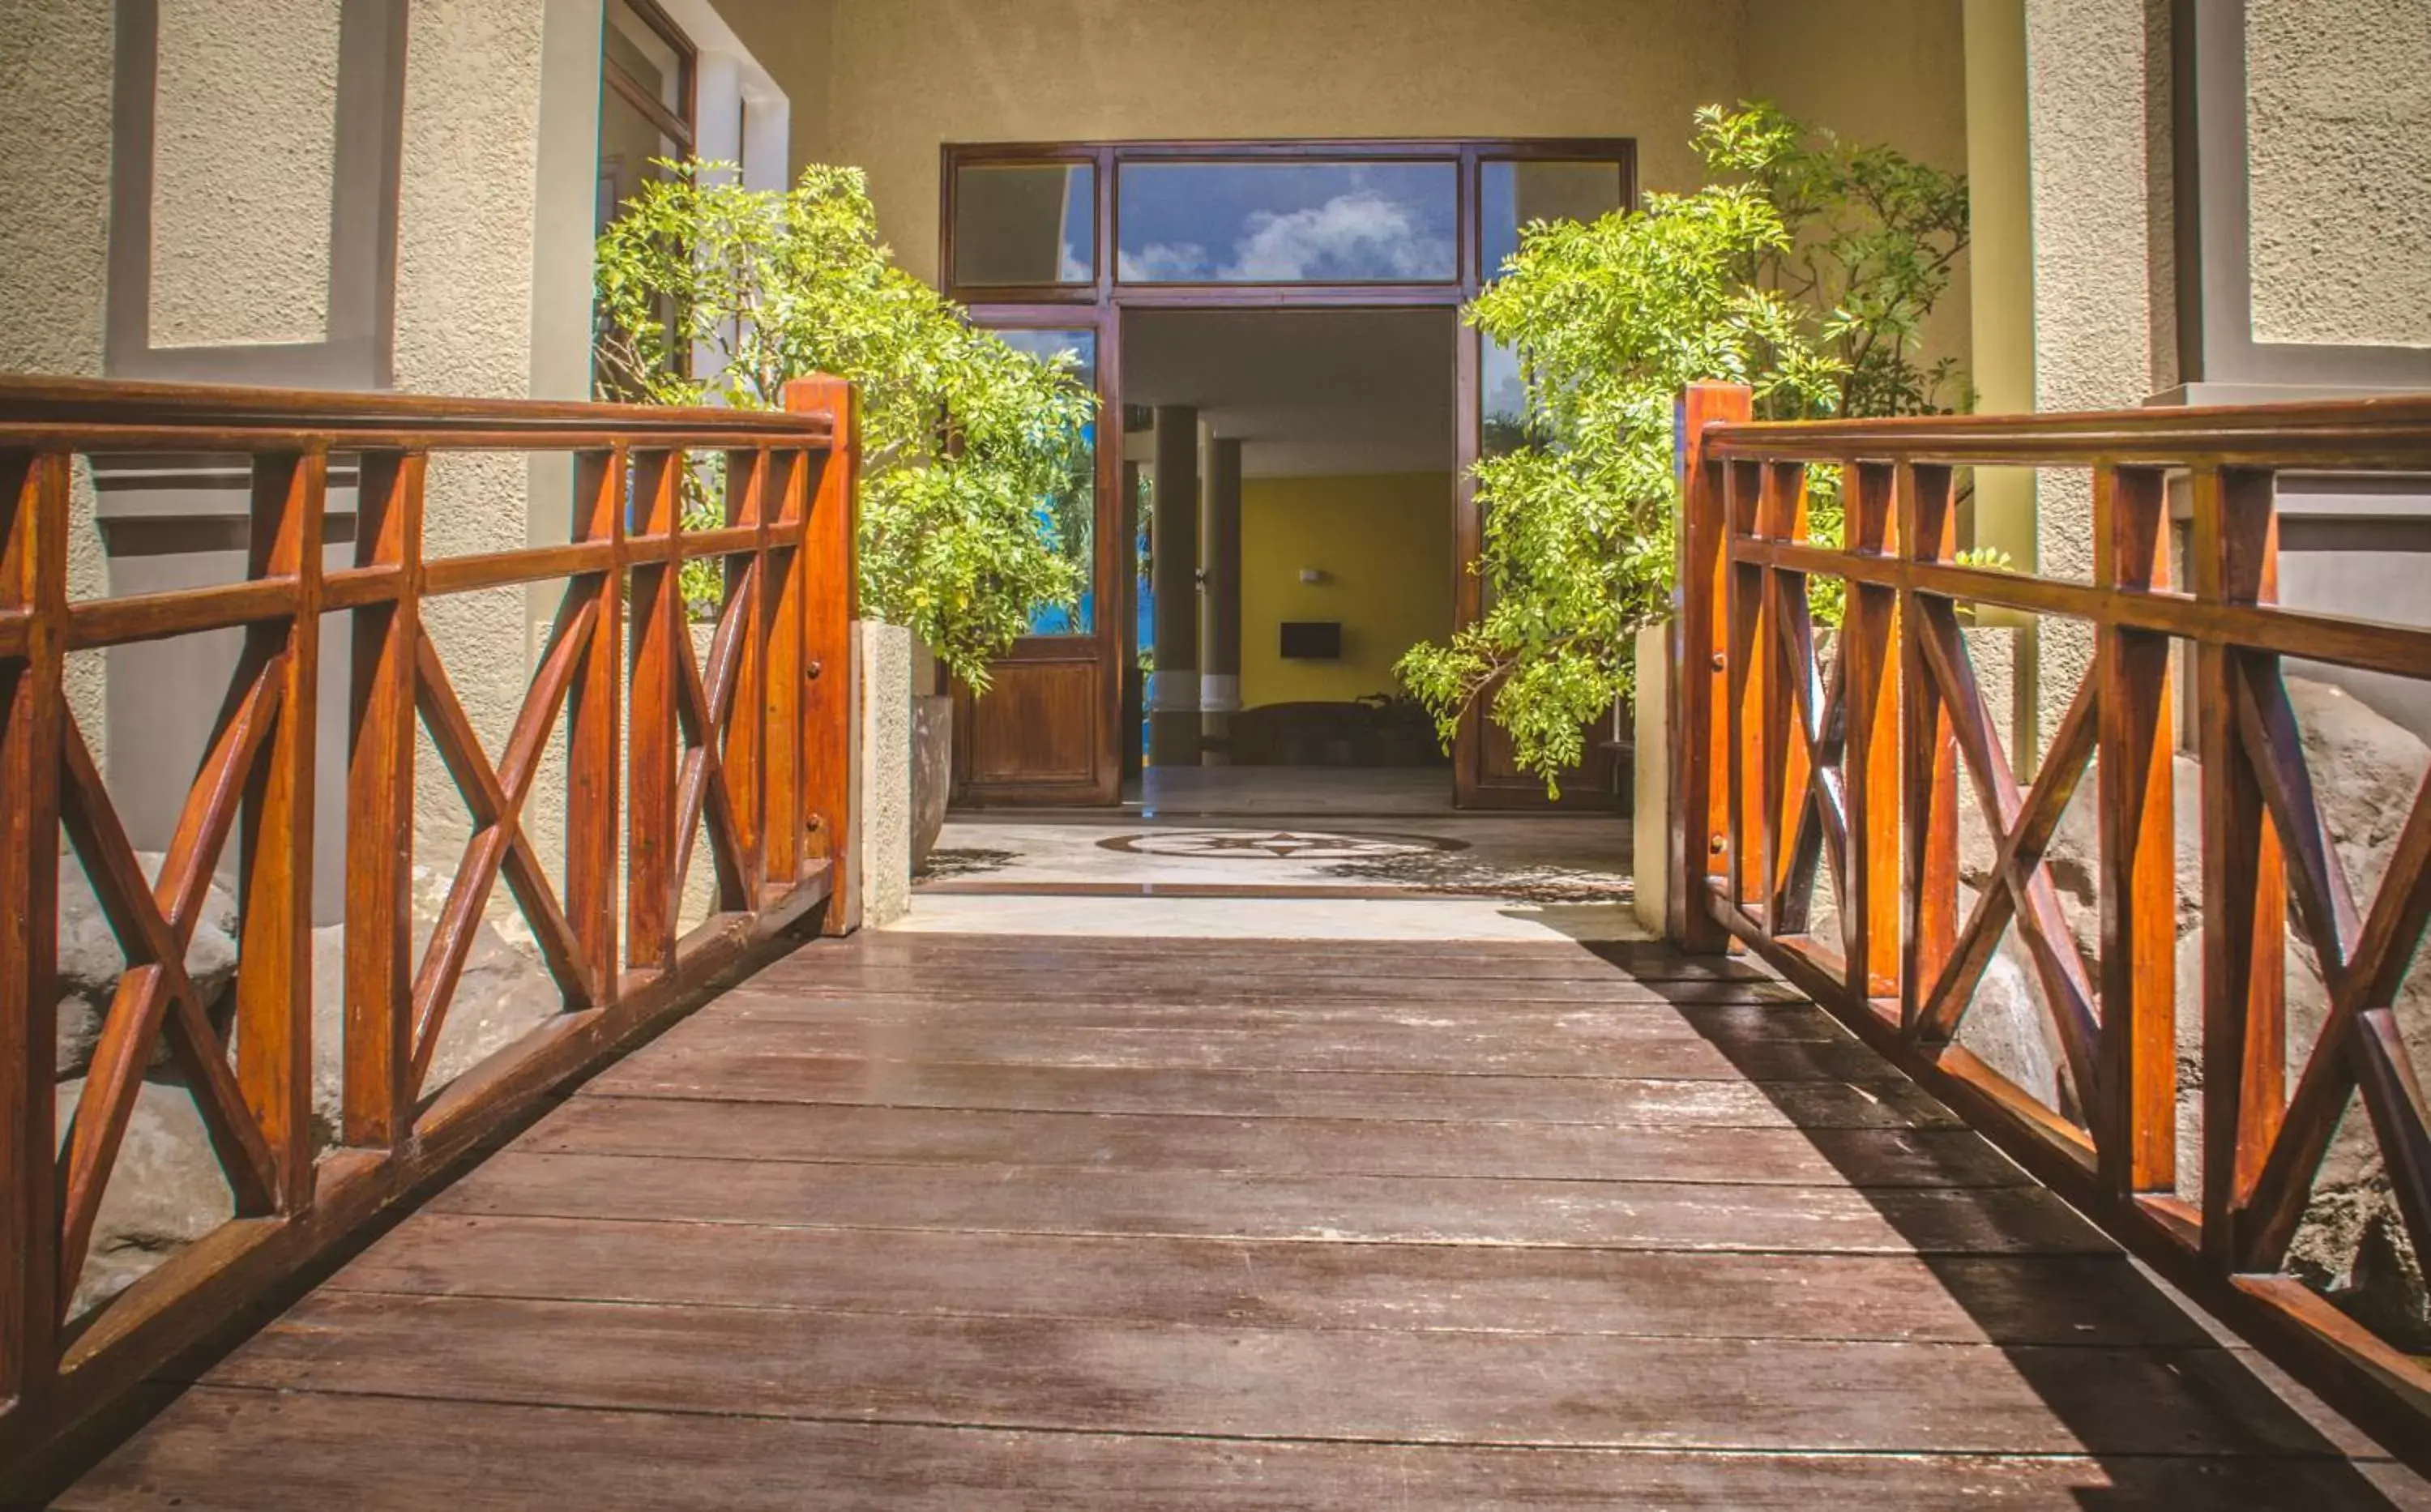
column 648, row 113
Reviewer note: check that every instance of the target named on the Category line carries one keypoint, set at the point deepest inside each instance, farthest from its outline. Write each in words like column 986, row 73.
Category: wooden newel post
column 828, row 578
column 1698, row 752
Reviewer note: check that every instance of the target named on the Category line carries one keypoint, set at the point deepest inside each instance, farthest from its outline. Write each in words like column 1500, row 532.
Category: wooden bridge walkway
column 960, row 1221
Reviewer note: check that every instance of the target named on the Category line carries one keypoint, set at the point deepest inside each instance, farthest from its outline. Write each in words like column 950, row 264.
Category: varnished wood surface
column 1775, row 755
column 1000, row 1224
column 765, row 775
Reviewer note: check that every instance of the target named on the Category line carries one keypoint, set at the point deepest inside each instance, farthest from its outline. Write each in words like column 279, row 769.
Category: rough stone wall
column 2339, row 137
column 56, row 59
column 244, row 143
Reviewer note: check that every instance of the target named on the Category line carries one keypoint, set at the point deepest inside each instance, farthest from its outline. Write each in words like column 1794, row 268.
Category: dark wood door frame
column 1099, row 304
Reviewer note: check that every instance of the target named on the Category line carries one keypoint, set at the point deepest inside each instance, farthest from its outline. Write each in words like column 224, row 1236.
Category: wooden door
column 1046, row 730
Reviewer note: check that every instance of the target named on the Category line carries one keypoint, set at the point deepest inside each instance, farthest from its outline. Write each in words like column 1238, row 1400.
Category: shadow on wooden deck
column 951, row 1221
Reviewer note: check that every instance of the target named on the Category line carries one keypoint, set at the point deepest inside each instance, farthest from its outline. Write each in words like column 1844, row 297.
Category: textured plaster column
column 1173, row 687
column 883, row 771
column 2097, row 102
column 56, row 58
column 1219, row 650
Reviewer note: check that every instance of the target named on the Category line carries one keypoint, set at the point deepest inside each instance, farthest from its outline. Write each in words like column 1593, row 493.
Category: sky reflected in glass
column 1288, row 223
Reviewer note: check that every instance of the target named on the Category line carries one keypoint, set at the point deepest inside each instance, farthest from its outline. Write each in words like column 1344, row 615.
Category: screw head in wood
column 1718, row 845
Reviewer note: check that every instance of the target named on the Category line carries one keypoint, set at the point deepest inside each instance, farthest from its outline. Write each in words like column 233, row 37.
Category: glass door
column 1046, row 730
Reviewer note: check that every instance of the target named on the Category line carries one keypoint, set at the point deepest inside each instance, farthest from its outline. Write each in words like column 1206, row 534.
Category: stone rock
column 504, row 993
column 164, row 1192
column 2367, row 772
column 91, row 961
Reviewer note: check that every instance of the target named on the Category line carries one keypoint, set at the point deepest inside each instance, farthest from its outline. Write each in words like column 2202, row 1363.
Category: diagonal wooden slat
column 499, row 843
column 2325, row 901
column 1822, row 831
column 2393, row 1095
column 152, row 997
column 2068, row 987
column 702, row 784
column 2266, row 1221
column 2019, row 854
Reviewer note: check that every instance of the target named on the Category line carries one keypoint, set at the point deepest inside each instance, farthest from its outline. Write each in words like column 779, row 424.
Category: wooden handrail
column 755, row 748
column 1783, row 767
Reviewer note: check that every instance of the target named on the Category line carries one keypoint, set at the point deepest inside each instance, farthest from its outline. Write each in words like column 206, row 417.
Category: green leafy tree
column 975, row 456
column 1806, row 275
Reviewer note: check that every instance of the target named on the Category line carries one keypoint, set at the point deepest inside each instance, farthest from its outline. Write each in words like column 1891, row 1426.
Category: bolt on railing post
column 1699, row 750
column 829, row 569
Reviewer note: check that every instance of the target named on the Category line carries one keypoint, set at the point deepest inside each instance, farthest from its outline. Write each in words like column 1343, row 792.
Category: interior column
column 1219, row 646
column 1173, row 687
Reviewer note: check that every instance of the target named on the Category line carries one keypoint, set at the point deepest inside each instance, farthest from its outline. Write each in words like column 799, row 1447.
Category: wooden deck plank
column 1228, row 1205
column 1728, row 1395
column 1402, row 1048
column 827, row 1133
column 1216, row 1283
column 937, row 1222
column 344, row 1452
column 892, row 1083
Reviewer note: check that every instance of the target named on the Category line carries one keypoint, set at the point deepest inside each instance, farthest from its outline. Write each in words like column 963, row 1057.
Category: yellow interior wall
column 1383, row 542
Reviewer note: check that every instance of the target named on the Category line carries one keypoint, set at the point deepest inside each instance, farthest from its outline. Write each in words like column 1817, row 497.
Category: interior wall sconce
column 1312, row 574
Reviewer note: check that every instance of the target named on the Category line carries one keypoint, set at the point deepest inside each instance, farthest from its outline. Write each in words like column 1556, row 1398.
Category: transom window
column 1404, row 220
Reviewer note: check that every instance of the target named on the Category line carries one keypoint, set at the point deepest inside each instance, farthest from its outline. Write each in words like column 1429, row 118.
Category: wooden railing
column 751, row 749
column 1783, row 765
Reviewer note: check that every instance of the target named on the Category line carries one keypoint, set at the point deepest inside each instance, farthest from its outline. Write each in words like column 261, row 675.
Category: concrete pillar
column 1219, row 646
column 1173, row 688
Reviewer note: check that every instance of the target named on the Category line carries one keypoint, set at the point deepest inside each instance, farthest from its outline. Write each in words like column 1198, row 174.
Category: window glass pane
column 1503, row 399
column 1025, row 223
column 1070, row 517
column 1289, row 222
column 1512, row 193
column 637, row 47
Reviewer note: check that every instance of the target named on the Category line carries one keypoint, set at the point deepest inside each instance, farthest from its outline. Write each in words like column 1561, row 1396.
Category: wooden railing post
column 594, row 720
column 2136, row 1129
column 274, row 989
column 746, row 576
column 1928, row 531
column 380, row 808
column 831, row 570
column 1870, row 648
column 782, row 848
column 2233, row 561
column 1700, row 747
column 33, row 583
column 653, row 739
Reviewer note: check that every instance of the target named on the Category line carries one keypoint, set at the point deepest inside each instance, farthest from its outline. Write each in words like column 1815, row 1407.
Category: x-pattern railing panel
column 1790, row 768
column 756, row 747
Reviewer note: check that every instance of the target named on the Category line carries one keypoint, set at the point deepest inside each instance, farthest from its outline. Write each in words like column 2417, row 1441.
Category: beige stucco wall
column 2000, row 296
column 2338, row 130
column 464, row 283
column 1827, row 63
column 244, row 142
column 908, row 75
column 54, row 93
column 793, row 39
column 2097, row 110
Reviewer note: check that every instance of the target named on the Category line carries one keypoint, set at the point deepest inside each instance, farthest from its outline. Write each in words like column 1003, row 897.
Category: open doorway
column 1312, row 455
